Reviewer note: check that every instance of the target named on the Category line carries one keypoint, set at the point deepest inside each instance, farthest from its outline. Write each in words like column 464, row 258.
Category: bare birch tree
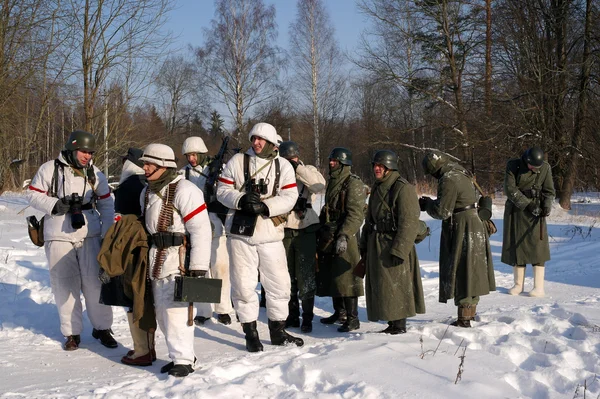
column 240, row 57
column 317, row 60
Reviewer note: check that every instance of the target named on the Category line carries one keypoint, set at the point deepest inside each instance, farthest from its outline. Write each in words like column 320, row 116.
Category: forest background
column 479, row 79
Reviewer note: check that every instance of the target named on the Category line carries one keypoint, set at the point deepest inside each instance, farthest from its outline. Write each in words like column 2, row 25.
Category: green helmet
column 342, row 154
column 80, row 140
column 288, row 150
column 433, row 161
column 534, row 157
column 387, row 158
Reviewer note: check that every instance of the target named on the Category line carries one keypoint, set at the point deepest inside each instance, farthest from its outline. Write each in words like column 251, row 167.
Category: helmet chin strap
column 155, row 170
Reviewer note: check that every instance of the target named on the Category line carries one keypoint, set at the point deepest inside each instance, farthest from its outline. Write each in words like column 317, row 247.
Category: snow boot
column 105, row 337
column 308, row 306
column 293, row 319
column 339, row 312
column 181, row 370
column 466, row 313
column 72, row 342
column 280, row 337
column 538, row 281
column 200, row 320
column 224, row 318
column 395, row 327
column 352, row 323
column 143, row 346
column 253, row 343
column 519, row 272
column 169, row 366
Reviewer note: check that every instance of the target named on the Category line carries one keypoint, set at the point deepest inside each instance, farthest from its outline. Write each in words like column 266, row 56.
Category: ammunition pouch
column 35, row 229
column 194, row 289
column 243, row 223
column 162, row 240
column 383, row 227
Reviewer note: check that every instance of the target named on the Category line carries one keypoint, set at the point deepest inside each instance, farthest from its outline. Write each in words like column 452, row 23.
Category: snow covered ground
column 521, row 347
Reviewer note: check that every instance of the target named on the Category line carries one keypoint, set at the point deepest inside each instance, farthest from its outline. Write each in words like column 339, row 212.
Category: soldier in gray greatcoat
column 393, row 279
column 466, row 268
column 341, row 218
column 529, row 195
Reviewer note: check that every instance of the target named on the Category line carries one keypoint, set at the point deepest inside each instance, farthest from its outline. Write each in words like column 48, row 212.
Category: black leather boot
column 339, row 312
column 351, row 306
column 293, row 319
column 253, row 343
column 395, row 327
column 466, row 313
column 308, row 306
column 280, row 337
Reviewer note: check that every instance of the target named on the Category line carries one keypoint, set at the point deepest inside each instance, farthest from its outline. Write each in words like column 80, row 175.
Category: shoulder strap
column 54, row 182
column 277, row 175
column 246, row 171
column 187, row 173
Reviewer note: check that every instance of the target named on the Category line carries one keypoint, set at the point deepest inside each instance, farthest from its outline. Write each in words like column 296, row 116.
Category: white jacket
column 190, row 216
column 58, row 228
column 310, row 181
column 197, row 175
column 230, row 190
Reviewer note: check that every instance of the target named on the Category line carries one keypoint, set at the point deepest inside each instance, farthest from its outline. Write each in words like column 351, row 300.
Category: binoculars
column 261, row 187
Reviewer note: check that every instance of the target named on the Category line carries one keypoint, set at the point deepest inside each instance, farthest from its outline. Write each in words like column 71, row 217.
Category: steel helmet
column 534, row 157
column 387, row 158
column 342, row 154
column 264, row 131
column 433, row 161
column 159, row 154
column 288, row 150
column 194, row 145
column 80, row 140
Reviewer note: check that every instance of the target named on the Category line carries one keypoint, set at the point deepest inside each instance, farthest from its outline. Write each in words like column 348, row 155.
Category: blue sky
column 191, row 16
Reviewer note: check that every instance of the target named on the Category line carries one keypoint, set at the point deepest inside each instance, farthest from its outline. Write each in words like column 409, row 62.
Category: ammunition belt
column 464, row 208
column 163, row 240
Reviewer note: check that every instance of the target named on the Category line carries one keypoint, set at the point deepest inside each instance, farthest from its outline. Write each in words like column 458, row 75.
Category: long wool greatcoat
column 393, row 292
column 522, row 241
column 343, row 216
column 466, row 268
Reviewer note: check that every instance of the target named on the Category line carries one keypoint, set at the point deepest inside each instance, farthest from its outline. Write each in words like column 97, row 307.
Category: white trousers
column 172, row 319
column 219, row 268
column 246, row 261
column 73, row 270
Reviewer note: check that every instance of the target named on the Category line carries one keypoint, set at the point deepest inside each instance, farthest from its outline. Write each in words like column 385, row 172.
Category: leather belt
column 464, row 208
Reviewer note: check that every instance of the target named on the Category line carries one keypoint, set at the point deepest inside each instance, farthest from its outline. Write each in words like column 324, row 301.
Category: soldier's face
column 192, row 158
column 258, row 144
column 379, row 170
column 153, row 171
column 83, row 157
column 333, row 163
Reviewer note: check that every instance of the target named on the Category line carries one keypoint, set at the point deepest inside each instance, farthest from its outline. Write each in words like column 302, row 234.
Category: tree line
column 479, row 79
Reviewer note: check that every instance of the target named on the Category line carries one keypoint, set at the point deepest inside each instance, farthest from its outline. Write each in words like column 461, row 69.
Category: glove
column 247, row 199
column 61, row 207
column 294, row 164
column 197, row 273
column 534, row 209
column 396, row 261
column 341, row 245
column 256, row 209
column 103, row 276
column 545, row 212
column 423, row 203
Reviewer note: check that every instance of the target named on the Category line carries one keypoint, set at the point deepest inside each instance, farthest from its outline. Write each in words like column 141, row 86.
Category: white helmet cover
column 159, row 154
column 194, row 144
column 264, row 131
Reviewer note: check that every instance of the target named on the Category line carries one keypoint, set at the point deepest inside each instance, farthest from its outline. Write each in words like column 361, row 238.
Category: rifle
column 214, row 170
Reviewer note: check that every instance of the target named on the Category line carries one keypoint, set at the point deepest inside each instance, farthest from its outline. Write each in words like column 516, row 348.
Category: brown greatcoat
column 124, row 252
